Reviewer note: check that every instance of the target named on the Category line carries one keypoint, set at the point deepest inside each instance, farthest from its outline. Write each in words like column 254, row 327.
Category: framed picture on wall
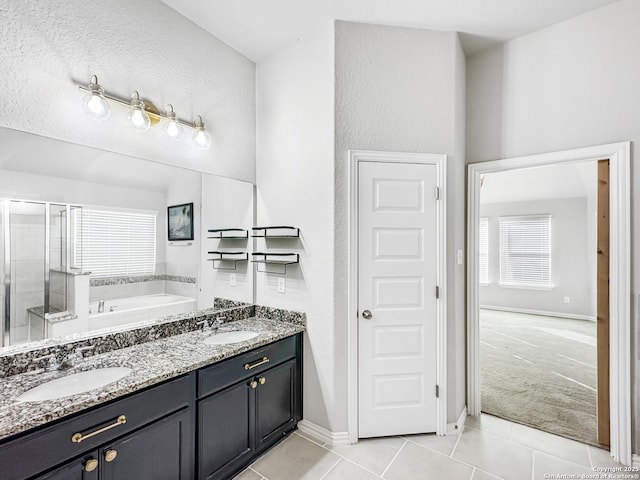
column 180, row 222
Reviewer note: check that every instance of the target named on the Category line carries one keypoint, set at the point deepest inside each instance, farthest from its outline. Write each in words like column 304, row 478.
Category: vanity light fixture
column 142, row 114
column 94, row 104
column 138, row 116
column 171, row 126
column 200, row 136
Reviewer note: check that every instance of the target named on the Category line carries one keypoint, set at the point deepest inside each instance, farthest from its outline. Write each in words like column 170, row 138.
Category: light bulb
column 171, row 126
column 139, row 119
column 94, row 104
column 201, row 137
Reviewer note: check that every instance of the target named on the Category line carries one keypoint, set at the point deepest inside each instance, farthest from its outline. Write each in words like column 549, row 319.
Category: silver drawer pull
column 79, row 437
column 249, row 366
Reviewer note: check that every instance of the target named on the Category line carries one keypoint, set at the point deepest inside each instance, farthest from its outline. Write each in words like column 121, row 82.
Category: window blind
column 484, row 251
column 525, row 251
column 117, row 243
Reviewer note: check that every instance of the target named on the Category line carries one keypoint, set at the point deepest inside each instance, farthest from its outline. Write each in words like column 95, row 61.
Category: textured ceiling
column 257, row 28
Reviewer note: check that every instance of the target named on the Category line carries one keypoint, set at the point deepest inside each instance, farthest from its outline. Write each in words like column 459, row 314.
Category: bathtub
column 136, row 309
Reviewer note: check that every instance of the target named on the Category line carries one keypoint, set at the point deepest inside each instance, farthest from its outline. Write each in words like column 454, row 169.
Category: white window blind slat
column 116, row 243
column 484, row 251
column 525, row 251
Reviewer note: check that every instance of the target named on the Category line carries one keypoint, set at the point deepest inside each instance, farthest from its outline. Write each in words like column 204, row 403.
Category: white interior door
column 397, row 305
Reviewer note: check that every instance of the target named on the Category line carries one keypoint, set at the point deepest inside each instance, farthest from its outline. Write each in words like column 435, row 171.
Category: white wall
column 396, row 89
column 572, row 264
column 183, row 257
column 402, row 89
column 49, row 47
column 226, row 203
column 571, row 85
column 295, row 178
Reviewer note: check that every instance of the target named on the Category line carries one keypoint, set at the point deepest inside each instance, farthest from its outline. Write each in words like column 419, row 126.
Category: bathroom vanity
column 215, row 410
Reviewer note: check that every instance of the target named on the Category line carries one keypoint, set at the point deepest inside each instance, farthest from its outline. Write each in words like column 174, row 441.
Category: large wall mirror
column 84, row 239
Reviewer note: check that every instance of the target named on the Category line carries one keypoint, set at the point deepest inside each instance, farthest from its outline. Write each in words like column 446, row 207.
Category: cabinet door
column 75, row 470
column 160, row 451
column 275, row 404
column 225, row 431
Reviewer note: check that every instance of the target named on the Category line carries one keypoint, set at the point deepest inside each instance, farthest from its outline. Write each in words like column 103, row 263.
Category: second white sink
column 231, row 337
column 74, row 384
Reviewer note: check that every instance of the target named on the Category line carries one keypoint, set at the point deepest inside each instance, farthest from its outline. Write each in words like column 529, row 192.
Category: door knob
column 253, row 384
column 110, row 455
column 262, row 380
column 367, row 315
column 90, row 465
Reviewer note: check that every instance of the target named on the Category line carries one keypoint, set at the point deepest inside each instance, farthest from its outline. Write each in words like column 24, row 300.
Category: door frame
column 355, row 157
column 618, row 155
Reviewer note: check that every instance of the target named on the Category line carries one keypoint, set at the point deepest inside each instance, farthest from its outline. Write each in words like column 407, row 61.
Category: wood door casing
column 602, row 333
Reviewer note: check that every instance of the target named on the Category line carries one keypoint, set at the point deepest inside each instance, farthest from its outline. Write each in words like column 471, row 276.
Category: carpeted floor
column 540, row 371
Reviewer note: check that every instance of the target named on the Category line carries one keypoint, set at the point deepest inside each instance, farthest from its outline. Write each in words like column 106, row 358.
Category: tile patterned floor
column 488, row 448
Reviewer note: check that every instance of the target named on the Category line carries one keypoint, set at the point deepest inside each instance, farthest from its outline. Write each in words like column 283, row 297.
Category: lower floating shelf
column 227, row 258
column 279, row 259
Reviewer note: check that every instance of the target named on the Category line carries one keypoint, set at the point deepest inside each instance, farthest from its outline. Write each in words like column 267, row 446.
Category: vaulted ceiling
column 257, row 28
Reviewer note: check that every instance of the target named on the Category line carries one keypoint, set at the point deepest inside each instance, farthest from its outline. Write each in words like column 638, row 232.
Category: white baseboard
column 539, row 312
column 456, row 427
column 636, row 460
column 322, row 434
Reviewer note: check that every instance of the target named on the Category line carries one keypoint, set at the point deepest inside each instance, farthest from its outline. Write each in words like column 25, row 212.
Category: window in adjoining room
column 525, row 251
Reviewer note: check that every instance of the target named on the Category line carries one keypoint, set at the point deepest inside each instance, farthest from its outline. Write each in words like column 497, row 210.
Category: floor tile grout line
column 434, row 451
column 590, row 459
column 328, row 448
column 393, row 459
column 262, row 477
column 332, row 467
column 533, row 464
column 357, row 464
column 458, row 441
column 312, row 440
column 512, row 442
column 473, row 472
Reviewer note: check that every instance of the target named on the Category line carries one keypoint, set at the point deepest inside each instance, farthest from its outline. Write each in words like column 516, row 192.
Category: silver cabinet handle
column 367, row 315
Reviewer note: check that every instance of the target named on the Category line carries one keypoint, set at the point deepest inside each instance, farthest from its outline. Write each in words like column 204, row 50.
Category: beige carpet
column 540, row 371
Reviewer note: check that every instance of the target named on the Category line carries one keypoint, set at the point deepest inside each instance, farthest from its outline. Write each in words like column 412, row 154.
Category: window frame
column 486, row 280
column 506, row 283
column 118, row 230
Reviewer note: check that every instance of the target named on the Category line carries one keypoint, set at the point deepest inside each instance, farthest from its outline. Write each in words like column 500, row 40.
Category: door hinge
column 437, row 292
column 436, row 192
column 437, row 391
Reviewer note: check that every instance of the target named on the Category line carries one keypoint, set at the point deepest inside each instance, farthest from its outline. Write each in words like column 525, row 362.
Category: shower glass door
column 27, row 228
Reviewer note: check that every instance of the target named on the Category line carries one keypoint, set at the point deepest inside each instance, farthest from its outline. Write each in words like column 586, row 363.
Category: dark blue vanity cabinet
column 122, row 439
column 208, row 424
column 250, row 401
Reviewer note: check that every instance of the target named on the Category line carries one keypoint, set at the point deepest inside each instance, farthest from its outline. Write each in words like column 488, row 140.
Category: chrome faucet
column 208, row 326
column 101, row 306
column 52, row 362
column 71, row 360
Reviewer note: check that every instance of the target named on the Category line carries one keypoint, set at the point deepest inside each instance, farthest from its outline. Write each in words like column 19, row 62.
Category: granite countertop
column 151, row 362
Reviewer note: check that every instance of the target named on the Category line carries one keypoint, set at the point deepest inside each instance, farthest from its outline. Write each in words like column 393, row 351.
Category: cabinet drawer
column 52, row 445
column 220, row 375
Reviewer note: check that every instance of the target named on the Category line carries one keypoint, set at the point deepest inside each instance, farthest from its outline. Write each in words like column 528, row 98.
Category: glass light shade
column 139, row 119
column 94, row 104
column 171, row 126
column 201, row 138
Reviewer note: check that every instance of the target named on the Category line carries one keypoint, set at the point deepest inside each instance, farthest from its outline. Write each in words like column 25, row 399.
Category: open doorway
column 538, row 302
column 618, row 311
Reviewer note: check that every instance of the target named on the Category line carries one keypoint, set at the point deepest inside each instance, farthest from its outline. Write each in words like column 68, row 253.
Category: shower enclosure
column 36, row 256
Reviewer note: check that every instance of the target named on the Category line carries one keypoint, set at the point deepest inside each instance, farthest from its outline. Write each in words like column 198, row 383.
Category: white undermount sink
column 231, row 337
column 74, row 384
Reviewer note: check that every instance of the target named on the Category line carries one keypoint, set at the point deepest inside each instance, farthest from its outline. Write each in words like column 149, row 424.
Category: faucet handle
column 206, row 326
column 79, row 353
column 52, row 361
